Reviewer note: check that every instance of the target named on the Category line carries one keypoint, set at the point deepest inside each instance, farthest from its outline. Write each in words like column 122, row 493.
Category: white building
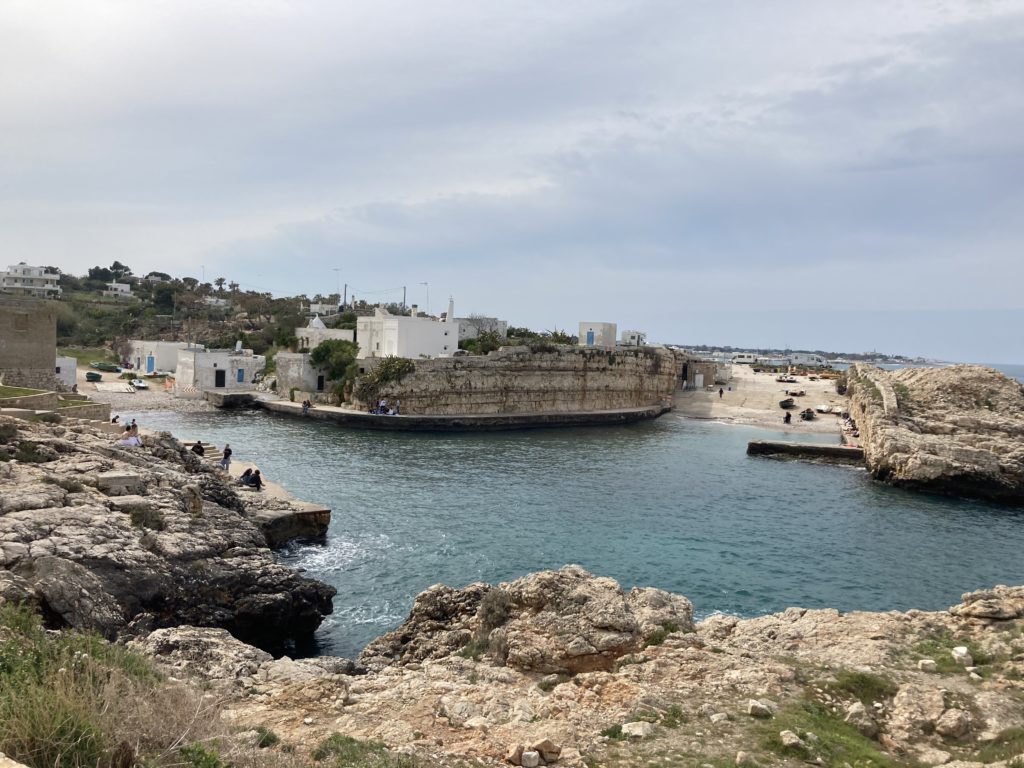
column 310, row 337
column 412, row 337
column 226, row 369
column 66, row 371
column 216, row 302
column 154, row 356
column 473, row 326
column 324, row 308
column 633, row 339
column 598, row 335
column 118, row 290
column 34, row 281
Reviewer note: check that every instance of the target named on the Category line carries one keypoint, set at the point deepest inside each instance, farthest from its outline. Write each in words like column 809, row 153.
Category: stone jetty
column 957, row 430
column 125, row 539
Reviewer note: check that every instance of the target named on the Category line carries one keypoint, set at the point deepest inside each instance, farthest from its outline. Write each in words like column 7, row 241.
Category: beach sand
column 753, row 398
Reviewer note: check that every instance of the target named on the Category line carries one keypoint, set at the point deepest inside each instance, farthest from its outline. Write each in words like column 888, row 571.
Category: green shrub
column 391, row 369
column 494, row 609
column 657, row 637
column 267, row 737
column 864, row 687
column 7, row 432
column 48, row 418
column 837, row 742
column 614, row 732
column 198, row 756
column 1009, row 743
column 29, row 453
column 147, row 517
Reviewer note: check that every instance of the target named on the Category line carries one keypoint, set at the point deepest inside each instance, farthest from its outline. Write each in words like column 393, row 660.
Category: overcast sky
column 802, row 173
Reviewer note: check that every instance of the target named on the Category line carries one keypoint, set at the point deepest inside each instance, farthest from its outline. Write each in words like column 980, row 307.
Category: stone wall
column 28, row 344
column 517, row 380
column 43, row 401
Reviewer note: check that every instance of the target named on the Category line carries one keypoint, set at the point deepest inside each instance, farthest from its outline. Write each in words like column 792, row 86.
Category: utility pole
column 403, row 297
column 337, row 275
column 344, row 301
column 427, row 286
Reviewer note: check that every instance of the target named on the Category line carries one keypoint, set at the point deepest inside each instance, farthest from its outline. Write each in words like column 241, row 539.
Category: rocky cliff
column 566, row 668
column 120, row 539
column 518, row 380
column 956, row 430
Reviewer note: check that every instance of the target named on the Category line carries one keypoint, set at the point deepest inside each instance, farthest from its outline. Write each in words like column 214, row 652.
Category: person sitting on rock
column 244, row 479
column 198, row 450
column 256, row 481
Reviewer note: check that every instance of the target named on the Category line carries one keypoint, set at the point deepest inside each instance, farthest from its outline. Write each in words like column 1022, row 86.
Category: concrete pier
column 849, row 453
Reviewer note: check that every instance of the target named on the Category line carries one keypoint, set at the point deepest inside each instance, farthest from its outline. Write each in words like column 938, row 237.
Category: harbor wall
column 519, row 380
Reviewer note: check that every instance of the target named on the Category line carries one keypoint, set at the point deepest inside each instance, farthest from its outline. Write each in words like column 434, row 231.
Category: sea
column 673, row 503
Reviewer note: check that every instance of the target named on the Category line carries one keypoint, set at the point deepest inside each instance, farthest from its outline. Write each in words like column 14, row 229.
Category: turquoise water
column 672, row 503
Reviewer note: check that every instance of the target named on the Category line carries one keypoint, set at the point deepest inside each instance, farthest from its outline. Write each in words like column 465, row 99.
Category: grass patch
column 474, row 649
column 7, row 432
column 48, row 418
column 345, row 751
column 614, row 732
column 673, row 717
column 837, row 742
column 1007, row 744
column 29, row 453
column 864, row 687
column 267, row 738
column 939, row 647
column 18, row 392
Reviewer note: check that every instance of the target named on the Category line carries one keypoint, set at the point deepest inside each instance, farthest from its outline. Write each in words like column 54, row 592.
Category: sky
column 810, row 174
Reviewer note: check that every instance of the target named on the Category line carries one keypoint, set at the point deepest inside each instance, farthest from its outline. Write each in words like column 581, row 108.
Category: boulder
column 553, row 622
column 953, row 724
column 639, row 729
column 759, row 709
column 860, row 718
column 962, row 656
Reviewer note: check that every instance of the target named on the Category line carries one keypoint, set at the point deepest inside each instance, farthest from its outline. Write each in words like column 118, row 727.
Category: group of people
column 251, row 478
column 130, row 437
column 306, row 405
column 384, row 409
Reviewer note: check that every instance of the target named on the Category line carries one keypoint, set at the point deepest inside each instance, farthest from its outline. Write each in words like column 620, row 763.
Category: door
column 698, row 381
column 150, row 364
column 241, row 376
column 219, row 378
column 319, row 383
column 590, row 338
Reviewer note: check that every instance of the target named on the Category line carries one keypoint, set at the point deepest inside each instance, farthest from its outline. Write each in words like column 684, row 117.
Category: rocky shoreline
column 126, row 539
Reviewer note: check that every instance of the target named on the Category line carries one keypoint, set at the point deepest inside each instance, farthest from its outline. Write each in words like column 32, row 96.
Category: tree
column 219, row 282
column 337, row 359
column 101, row 274
column 119, row 270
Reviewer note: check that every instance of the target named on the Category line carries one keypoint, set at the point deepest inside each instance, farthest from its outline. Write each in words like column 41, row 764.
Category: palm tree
column 219, row 282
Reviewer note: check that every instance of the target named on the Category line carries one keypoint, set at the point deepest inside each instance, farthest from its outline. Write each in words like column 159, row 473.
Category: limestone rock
column 549, row 751
column 927, row 665
column 954, row 430
column 791, row 740
column 555, row 622
column 962, row 656
column 858, row 716
column 101, row 535
column 639, row 729
column 954, row 724
column 204, row 652
column 529, row 759
column 915, row 711
column 1001, row 603
column 760, row 709
column 514, row 754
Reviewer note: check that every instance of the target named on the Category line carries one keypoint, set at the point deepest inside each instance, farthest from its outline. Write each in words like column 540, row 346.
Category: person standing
column 225, row 461
column 720, row 393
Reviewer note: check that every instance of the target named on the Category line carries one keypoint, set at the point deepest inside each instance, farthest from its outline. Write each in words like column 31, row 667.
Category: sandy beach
column 753, row 398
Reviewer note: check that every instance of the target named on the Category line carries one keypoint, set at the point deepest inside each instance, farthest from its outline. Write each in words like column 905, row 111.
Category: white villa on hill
column 33, row 281
column 413, row 337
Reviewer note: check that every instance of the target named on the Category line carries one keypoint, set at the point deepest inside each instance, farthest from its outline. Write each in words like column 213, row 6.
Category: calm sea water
column 672, row 503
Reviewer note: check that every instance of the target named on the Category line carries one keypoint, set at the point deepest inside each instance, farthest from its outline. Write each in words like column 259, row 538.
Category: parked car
column 100, row 365
column 93, row 376
column 139, row 384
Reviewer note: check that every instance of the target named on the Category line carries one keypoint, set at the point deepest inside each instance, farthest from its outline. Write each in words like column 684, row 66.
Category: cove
column 673, row 503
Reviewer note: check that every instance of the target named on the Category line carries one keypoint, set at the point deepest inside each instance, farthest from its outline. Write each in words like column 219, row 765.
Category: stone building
column 28, row 344
column 473, row 326
column 152, row 356
column 29, row 280
column 216, row 369
column 598, row 335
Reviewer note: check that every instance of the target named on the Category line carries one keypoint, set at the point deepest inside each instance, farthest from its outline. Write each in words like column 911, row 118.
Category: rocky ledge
column 127, row 539
column 957, row 431
column 566, row 668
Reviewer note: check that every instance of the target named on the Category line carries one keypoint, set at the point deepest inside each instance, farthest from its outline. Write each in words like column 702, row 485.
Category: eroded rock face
column 101, row 534
column 565, row 621
column 956, row 430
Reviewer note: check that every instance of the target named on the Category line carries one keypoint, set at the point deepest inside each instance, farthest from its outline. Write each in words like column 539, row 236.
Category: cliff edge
column 957, row 431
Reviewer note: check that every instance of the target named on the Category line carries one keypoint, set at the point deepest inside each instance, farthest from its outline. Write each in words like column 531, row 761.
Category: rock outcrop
column 553, row 622
column 127, row 539
column 956, row 430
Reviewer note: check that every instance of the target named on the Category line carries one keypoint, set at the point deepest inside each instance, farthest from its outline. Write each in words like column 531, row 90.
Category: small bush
column 198, row 756
column 864, row 687
column 658, row 636
column 7, row 432
column 48, row 418
column 1009, row 743
column 69, row 485
column 474, row 649
column 149, row 518
column 267, row 737
column 673, row 717
column 614, row 732
column 30, row 454
column 494, row 609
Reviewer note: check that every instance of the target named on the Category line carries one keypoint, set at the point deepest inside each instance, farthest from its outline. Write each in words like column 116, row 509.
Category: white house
column 227, row 369
column 153, row 356
column 119, row 290
column 309, row 338
column 598, row 335
column 413, row 337
column 34, row 281
column 473, row 326
column 633, row 339
column 66, row 370
column 325, row 308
